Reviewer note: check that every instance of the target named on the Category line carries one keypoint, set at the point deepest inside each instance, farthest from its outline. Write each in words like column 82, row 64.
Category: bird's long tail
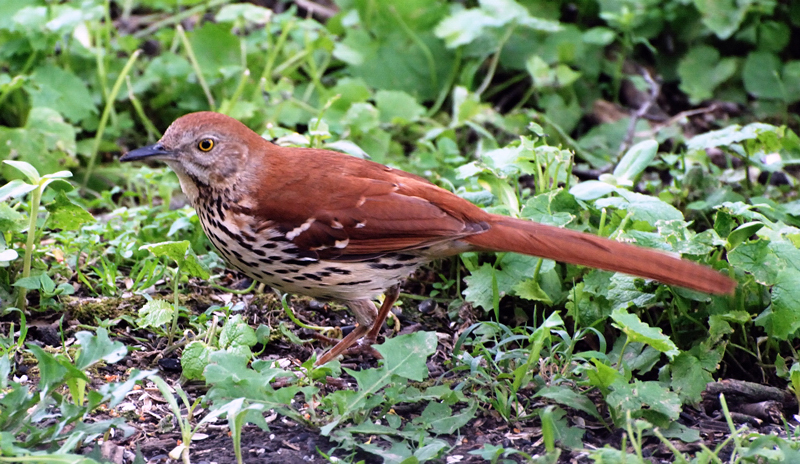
column 569, row 246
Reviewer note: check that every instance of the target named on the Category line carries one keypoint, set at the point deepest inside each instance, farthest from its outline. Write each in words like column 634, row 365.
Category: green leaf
column 194, row 360
column 236, row 332
column 637, row 331
column 591, row 190
column 570, row 398
column 758, row 259
column 730, row 135
column 635, row 161
column 97, row 347
column 52, row 372
column 62, row 91
column 466, row 26
column 66, row 215
column 509, row 271
column 397, row 107
column 14, row 189
column 701, row 71
column 8, row 256
column 603, row 376
column 440, row 419
column 782, row 319
column 244, row 12
column 742, row 233
column 217, row 50
column 623, row 293
column 723, row 17
column 689, row 377
column 10, row 219
column 556, row 208
column 155, row 313
column 529, row 289
column 29, row 171
column 646, row 208
column 406, row 355
column 762, row 75
column 30, row 283
column 386, row 60
column 633, row 397
column 183, row 254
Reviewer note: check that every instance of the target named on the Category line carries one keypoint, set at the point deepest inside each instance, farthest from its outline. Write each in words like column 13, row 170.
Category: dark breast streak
column 268, row 256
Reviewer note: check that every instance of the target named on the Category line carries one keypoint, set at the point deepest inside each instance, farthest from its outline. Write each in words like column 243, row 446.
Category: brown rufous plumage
column 329, row 225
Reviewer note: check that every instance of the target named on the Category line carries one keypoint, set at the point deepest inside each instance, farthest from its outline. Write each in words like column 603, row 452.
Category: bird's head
column 204, row 149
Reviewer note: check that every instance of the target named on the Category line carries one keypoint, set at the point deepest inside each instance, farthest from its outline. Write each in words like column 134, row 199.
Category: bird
column 336, row 227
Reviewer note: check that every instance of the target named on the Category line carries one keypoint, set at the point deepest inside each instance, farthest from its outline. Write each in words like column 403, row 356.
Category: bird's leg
column 369, row 322
column 389, row 299
column 365, row 313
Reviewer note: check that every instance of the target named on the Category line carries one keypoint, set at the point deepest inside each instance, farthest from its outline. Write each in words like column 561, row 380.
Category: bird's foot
column 363, row 348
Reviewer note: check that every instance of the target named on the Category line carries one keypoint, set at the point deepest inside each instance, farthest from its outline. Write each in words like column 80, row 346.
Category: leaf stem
column 26, row 263
column 196, row 66
column 101, row 127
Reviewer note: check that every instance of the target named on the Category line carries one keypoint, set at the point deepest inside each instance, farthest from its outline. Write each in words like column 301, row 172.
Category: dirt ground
column 156, row 432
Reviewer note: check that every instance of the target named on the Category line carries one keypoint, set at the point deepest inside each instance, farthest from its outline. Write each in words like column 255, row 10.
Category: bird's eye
column 205, row 145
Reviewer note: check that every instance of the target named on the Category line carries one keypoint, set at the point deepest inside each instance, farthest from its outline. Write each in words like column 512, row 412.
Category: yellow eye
column 205, row 145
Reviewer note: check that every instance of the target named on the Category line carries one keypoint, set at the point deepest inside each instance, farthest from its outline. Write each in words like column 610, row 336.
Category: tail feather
column 569, row 246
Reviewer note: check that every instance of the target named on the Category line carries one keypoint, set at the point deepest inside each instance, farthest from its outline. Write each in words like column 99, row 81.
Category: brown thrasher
column 331, row 226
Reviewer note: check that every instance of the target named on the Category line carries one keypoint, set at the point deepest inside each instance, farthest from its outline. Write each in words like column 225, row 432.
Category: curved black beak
column 151, row 151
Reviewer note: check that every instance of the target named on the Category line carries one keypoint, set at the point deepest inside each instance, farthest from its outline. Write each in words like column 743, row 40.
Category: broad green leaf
column 30, row 283
column 430, row 451
column 66, row 215
column 645, row 208
column 8, row 255
column 635, row 161
column 245, row 13
column 173, row 250
column 762, row 75
column 623, row 293
column 194, row 360
column 155, row 313
column 440, row 419
column 591, row 190
column 570, row 398
column 52, row 371
column 10, row 219
column 529, row 289
column 14, row 189
column 62, row 91
column 97, row 347
column 556, row 208
column 637, row 331
column 701, row 71
column 406, row 355
column 466, row 26
column 742, row 233
column 730, row 135
column 758, row 259
column 397, row 107
column 389, row 63
column 29, row 171
column 689, row 377
column 723, row 17
column 237, row 332
column 183, row 254
column 635, row 396
column 603, row 376
column 782, row 319
column 217, row 50
column 511, row 269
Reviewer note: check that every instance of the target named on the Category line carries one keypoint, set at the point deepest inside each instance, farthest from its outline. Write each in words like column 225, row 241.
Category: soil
column 156, row 432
